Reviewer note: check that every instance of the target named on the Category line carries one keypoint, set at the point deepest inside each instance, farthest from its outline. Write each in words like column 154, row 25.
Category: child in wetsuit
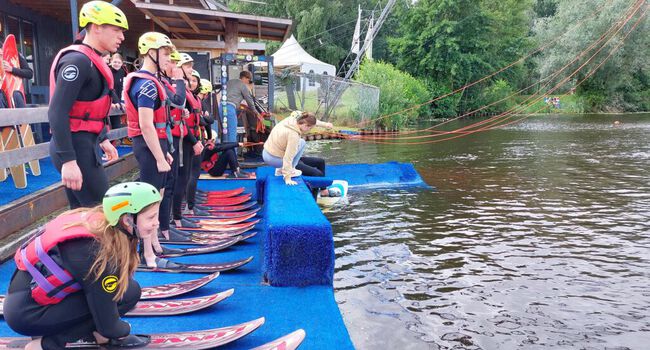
column 97, row 248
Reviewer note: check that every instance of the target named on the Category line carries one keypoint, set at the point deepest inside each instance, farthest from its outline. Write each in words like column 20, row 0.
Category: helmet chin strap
column 134, row 234
column 157, row 62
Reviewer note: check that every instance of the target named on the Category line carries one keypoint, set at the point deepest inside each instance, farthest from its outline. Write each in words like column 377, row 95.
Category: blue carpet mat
column 286, row 309
column 49, row 176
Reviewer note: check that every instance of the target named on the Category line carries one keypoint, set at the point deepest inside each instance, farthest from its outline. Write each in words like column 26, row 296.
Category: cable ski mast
column 347, row 73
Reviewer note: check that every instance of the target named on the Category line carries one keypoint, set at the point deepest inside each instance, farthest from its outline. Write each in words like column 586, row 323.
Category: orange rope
column 508, row 114
column 541, row 48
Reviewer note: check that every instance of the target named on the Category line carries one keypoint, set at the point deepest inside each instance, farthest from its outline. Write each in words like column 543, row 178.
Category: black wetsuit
column 87, row 85
column 184, row 172
column 207, row 121
column 227, row 159
column 177, row 99
column 23, row 72
column 77, row 315
column 118, row 78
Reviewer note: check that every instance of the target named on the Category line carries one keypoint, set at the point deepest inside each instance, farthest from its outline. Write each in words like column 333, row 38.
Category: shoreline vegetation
column 591, row 53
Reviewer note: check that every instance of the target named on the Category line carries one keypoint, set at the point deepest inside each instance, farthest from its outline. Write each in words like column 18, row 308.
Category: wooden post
column 231, row 36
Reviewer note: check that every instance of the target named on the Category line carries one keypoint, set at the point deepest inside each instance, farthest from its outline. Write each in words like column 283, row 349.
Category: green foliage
column 399, row 90
column 499, row 91
column 618, row 84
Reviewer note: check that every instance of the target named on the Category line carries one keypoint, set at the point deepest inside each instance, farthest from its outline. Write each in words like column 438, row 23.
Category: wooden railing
column 10, row 117
column 32, row 207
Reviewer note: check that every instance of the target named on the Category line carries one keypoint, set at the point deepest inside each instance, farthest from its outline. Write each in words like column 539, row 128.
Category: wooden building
column 203, row 28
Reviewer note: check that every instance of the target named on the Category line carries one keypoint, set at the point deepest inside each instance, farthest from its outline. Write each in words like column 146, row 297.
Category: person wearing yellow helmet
column 81, row 86
column 147, row 117
column 96, row 257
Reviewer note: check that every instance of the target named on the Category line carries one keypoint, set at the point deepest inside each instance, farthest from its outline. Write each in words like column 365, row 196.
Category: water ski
column 226, row 221
column 290, row 341
column 210, row 202
column 206, row 249
column 210, row 227
column 195, row 340
column 174, row 289
column 222, row 194
column 178, row 306
column 14, row 91
column 175, row 237
column 337, row 185
column 205, row 238
column 225, row 215
column 230, row 208
column 169, row 266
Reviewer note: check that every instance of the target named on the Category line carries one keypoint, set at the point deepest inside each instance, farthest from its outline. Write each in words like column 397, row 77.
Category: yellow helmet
column 196, row 74
column 205, row 86
column 175, row 56
column 185, row 57
column 153, row 40
column 100, row 12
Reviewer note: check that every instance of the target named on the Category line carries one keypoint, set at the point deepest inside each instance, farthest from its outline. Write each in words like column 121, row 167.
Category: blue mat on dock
column 390, row 174
column 49, row 176
column 286, row 309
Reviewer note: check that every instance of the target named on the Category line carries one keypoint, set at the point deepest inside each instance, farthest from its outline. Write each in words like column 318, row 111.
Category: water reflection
column 537, row 237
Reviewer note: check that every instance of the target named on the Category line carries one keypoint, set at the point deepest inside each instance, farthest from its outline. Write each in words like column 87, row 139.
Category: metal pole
column 75, row 19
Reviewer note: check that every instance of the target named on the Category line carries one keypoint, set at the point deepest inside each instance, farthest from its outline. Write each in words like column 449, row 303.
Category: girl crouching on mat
column 284, row 148
column 74, row 280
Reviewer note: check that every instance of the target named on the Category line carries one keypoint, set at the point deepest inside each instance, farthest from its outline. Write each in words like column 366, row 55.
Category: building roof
column 181, row 19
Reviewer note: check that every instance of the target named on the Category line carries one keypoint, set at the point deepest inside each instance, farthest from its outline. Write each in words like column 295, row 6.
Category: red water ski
column 220, row 228
column 224, row 194
column 290, row 341
column 174, row 289
column 211, row 202
column 229, row 221
column 194, row 340
column 225, row 215
column 230, row 208
column 163, row 291
column 178, row 306
column 198, row 268
column 206, row 249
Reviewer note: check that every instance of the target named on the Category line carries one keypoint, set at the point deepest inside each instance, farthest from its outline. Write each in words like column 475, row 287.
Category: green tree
column 398, row 90
column 622, row 83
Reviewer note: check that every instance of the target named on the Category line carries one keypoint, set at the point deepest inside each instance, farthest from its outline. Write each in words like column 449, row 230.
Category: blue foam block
column 299, row 248
column 376, row 175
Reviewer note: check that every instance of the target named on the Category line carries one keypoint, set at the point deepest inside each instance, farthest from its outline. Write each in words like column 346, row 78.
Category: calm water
column 537, row 237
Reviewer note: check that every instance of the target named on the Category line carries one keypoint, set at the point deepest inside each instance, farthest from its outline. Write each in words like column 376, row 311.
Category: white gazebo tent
column 291, row 54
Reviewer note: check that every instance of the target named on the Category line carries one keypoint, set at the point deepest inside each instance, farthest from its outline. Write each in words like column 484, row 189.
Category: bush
column 496, row 92
column 398, row 91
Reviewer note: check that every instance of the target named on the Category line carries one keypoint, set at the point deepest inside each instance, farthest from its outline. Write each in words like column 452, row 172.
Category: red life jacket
column 87, row 116
column 193, row 122
column 179, row 128
column 208, row 163
column 160, row 117
column 33, row 257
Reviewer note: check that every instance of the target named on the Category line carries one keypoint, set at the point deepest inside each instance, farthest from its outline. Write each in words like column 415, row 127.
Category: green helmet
column 128, row 198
